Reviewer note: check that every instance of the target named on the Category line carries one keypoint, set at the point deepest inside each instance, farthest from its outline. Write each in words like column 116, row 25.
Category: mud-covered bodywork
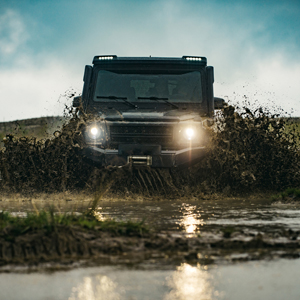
column 147, row 111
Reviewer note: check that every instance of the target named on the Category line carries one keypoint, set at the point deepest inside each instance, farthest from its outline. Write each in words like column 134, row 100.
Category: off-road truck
column 150, row 111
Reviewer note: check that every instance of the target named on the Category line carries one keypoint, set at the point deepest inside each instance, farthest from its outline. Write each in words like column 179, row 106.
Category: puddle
column 180, row 215
column 251, row 280
column 218, row 274
column 196, row 216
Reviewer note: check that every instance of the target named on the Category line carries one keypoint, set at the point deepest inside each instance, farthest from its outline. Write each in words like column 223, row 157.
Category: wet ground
column 204, row 247
column 253, row 213
column 244, row 272
column 197, row 216
column 252, row 280
column 274, row 280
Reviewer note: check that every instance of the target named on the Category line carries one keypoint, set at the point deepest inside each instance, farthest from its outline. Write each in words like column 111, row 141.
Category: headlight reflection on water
column 186, row 282
column 190, row 223
column 189, row 282
column 191, row 219
column 98, row 215
column 99, row 287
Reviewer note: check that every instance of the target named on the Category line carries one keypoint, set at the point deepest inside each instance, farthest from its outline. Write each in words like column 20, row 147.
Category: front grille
column 141, row 134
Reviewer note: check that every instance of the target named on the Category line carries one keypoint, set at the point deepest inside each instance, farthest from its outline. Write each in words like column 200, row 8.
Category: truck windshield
column 138, row 87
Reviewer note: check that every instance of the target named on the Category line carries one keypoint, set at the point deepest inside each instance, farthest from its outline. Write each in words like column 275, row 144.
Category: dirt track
column 67, row 244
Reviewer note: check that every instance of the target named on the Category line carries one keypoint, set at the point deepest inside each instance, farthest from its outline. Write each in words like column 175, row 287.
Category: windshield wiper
column 117, row 98
column 158, row 98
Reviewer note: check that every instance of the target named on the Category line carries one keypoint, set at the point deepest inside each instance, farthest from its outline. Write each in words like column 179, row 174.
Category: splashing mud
column 50, row 165
column 252, row 150
column 248, row 150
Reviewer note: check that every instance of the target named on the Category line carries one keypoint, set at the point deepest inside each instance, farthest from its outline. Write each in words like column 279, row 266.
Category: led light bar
column 106, row 57
column 193, row 58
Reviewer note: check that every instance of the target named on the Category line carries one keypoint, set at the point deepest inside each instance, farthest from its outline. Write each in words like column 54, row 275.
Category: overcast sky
column 44, row 46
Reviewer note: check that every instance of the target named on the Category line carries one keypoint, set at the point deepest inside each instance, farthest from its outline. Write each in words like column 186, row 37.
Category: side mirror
column 219, row 103
column 77, row 101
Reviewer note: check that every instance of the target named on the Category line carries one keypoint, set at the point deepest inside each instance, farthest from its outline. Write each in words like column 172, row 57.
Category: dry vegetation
column 39, row 128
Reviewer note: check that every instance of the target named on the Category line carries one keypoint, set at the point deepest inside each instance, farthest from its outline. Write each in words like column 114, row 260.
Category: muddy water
column 274, row 280
column 182, row 215
column 231, row 276
column 198, row 215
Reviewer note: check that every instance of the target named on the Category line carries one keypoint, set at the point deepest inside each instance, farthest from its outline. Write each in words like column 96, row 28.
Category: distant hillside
column 36, row 127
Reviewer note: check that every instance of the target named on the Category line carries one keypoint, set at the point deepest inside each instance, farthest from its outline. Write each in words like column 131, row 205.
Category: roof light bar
column 193, row 58
column 106, row 57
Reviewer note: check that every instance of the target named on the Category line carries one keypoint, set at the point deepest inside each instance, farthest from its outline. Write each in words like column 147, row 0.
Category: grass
column 50, row 221
column 290, row 194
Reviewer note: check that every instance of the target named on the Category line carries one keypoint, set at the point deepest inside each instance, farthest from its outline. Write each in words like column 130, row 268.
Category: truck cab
column 147, row 111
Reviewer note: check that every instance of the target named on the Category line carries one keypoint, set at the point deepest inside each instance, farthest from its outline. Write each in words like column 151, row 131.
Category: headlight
column 95, row 132
column 189, row 133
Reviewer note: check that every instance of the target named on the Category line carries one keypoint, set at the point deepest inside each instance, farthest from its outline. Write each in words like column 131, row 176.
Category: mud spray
column 248, row 150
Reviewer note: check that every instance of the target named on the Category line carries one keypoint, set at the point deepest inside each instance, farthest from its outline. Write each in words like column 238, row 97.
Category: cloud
column 32, row 91
column 274, row 84
column 53, row 42
column 13, row 32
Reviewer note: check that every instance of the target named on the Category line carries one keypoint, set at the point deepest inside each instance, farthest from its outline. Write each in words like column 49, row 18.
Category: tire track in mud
column 69, row 244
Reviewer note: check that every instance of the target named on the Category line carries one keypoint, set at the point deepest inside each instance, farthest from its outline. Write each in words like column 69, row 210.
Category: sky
column 254, row 47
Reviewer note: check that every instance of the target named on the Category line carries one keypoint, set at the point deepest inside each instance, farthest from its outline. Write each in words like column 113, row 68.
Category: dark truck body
column 148, row 111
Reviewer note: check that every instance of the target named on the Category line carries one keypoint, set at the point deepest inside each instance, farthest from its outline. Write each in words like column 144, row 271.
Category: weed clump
column 47, row 236
column 289, row 195
column 49, row 221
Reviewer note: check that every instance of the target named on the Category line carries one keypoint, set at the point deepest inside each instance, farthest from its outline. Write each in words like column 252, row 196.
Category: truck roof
column 183, row 64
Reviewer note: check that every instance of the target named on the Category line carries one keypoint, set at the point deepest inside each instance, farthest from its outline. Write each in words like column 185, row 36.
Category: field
column 39, row 128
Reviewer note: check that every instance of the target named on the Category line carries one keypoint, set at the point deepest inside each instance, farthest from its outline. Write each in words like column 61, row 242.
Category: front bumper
column 163, row 159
